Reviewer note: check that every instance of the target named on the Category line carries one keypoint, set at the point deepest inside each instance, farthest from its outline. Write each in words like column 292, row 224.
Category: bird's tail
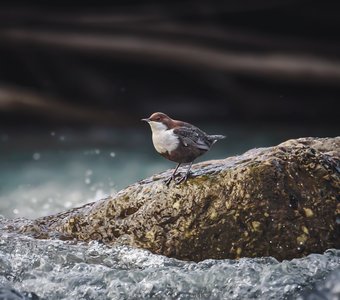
column 217, row 137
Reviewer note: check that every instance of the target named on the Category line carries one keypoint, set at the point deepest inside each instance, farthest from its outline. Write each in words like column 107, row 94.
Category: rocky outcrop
column 282, row 201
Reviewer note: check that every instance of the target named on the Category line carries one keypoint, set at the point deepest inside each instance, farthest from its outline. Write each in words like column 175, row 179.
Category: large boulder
column 282, row 201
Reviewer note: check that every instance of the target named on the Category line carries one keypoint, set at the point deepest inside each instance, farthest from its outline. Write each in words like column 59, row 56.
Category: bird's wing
column 193, row 137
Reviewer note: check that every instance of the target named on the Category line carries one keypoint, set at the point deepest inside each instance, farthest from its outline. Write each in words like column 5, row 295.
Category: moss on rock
column 280, row 201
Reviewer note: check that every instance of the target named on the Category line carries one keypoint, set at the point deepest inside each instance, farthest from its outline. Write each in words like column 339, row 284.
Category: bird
column 179, row 141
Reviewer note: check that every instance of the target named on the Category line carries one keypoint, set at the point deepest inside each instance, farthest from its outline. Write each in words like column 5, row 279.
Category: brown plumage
column 179, row 141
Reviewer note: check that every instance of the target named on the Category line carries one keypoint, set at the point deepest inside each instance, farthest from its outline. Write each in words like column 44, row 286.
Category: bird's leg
column 172, row 177
column 186, row 175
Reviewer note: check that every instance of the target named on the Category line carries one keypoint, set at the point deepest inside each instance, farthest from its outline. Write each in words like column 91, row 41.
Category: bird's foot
column 167, row 181
column 176, row 179
column 182, row 179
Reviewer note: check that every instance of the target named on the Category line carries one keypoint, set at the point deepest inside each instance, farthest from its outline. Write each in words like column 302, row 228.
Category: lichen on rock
column 282, row 201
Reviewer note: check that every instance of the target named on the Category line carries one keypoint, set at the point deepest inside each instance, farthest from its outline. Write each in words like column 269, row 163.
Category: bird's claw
column 176, row 180
column 181, row 179
column 167, row 181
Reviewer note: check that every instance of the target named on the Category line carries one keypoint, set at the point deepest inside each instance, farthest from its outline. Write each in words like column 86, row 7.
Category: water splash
column 63, row 270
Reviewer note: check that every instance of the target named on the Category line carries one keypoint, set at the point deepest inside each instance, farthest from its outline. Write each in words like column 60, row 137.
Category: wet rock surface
column 281, row 201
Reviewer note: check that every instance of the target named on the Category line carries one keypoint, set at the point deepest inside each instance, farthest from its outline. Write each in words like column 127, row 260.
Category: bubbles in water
column 92, row 152
column 99, row 195
column 97, row 186
column 36, row 156
column 68, row 204
column 88, row 172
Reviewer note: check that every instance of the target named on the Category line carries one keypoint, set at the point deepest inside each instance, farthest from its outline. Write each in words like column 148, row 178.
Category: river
column 47, row 171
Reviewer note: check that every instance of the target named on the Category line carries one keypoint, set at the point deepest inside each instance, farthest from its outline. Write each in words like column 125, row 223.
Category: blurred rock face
column 280, row 201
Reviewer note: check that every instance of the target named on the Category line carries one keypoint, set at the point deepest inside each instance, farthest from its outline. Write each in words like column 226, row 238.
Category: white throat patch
column 164, row 140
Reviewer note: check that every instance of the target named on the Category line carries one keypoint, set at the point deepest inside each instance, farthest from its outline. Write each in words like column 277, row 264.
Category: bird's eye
column 158, row 118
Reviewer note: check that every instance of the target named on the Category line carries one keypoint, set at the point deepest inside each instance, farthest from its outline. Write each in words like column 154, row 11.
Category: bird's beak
column 146, row 120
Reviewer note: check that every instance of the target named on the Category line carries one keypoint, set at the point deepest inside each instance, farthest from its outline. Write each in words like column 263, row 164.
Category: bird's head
column 159, row 121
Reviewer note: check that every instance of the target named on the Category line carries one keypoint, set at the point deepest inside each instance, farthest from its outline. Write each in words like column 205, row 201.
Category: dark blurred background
column 110, row 64
column 77, row 77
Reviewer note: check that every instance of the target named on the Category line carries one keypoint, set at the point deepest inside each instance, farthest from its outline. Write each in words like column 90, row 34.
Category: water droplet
column 97, row 151
column 52, row 133
column 112, row 154
column 88, row 172
column 87, row 180
column 68, row 204
column 36, row 156
column 15, row 211
column 62, row 138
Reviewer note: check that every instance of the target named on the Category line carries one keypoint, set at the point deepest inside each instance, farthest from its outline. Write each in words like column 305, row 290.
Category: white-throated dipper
column 179, row 141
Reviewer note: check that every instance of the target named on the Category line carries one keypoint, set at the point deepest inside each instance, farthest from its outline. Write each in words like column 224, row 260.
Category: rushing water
column 52, row 171
column 59, row 270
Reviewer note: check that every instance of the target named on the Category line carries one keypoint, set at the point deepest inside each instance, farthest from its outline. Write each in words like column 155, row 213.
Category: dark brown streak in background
column 235, row 60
